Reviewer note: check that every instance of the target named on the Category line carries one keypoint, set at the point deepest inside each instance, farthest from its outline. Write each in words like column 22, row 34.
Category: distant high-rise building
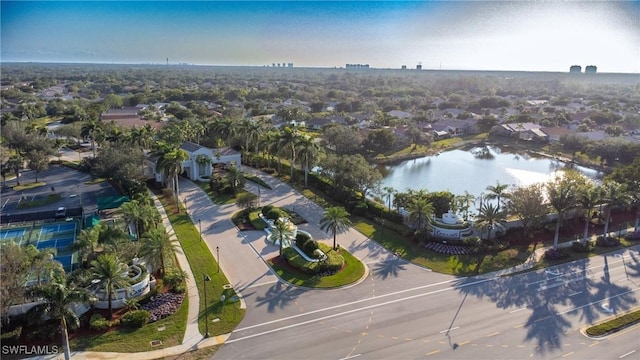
column 590, row 69
column 419, row 67
column 357, row 66
column 404, row 67
column 290, row 65
column 575, row 69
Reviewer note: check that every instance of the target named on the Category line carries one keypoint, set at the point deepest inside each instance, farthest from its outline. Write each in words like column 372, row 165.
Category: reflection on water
column 460, row 170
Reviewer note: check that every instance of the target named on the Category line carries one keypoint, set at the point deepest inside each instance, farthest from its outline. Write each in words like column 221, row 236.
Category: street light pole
column 218, row 255
column 206, row 306
column 200, row 227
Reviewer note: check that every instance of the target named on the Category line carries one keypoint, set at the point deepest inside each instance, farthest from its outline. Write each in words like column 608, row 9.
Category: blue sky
column 479, row 35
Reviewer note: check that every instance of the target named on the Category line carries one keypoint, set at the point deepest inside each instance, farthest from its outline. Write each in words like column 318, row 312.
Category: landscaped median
column 616, row 324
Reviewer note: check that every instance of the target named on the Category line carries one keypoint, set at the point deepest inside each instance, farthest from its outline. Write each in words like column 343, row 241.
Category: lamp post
column 218, row 256
column 200, row 227
column 206, row 309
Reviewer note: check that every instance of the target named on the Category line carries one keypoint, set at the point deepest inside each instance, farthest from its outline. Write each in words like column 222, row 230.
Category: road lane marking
column 372, row 299
column 516, row 310
column 568, row 354
column 518, row 326
column 351, row 357
column 494, row 334
column 432, row 352
column 464, row 343
column 627, row 354
column 575, row 293
column 451, row 329
column 541, row 319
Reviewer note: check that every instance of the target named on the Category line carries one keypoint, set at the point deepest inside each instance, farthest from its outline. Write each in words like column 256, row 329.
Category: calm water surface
column 474, row 170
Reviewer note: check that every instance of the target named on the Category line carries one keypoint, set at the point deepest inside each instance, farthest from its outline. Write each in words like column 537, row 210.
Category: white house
column 201, row 161
column 196, row 167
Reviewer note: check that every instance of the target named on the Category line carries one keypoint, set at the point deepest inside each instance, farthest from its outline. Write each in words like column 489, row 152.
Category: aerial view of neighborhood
column 155, row 205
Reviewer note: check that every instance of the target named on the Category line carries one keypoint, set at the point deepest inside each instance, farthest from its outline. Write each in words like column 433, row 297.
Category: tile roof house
column 196, row 169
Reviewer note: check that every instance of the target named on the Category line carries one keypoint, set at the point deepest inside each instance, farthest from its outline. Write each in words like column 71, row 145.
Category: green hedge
column 256, row 221
column 333, row 263
column 616, row 324
column 135, row 318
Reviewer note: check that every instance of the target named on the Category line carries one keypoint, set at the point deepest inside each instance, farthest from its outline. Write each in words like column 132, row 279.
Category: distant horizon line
column 310, row 67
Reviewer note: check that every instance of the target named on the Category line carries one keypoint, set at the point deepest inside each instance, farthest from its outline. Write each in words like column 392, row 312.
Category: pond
column 473, row 170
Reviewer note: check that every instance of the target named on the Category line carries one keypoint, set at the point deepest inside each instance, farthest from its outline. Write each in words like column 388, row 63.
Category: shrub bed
column 256, row 221
column 163, row 305
column 634, row 236
column 98, row 322
column 135, row 318
column 607, row 242
column 616, row 324
column 333, row 264
column 579, row 248
column 557, row 254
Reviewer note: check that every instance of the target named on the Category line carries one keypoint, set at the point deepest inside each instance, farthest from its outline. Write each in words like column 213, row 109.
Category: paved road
column 534, row 315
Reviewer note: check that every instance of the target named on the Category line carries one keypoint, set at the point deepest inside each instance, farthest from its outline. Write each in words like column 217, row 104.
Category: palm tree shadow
column 388, row 268
column 278, row 296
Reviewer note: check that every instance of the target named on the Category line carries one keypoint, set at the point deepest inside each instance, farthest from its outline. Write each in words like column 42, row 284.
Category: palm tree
column 112, row 274
column 464, row 203
column 308, row 152
column 281, row 231
column 488, row 216
column 588, row 197
column 92, row 129
column 388, row 192
column 86, row 242
column 15, row 163
column 497, row 192
column 143, row 216
column 43, row 265
column 170, row 165
column 420, row 209
column 335, row 220
column 56, row 299
column 288, row 142
column 156, row 245
column 203, row 162
column 235, row 178
column 562, row 197
column 614, row 194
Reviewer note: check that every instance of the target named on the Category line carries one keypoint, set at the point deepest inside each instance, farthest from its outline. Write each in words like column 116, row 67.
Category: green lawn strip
column 616, row 324
column 352, row 272
column 219, row 199
column 29, row 186
column 137, row 340
column 41, row 201
column 257, row 180
column 203, row 262
column 460, row 265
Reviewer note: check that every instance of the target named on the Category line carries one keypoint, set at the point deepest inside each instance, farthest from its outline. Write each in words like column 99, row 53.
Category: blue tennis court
column 54, row 228
column 12, row 233
column 61, row 243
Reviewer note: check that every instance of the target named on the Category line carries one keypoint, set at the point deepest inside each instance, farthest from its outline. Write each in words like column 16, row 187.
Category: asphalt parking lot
column 72, row 185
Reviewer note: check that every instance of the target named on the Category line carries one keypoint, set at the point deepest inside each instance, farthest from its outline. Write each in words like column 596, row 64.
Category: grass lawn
column 219, row 199
column 136, row 340
column 352, row 272
column 28, row 186
column 40, row 201
column 463, row 265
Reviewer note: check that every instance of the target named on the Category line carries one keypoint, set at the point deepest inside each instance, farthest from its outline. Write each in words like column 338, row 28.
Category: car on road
column 61, row 212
